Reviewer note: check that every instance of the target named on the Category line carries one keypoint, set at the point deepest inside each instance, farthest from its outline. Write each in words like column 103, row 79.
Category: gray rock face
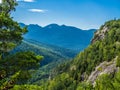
column 100, row 34
column 103, row 68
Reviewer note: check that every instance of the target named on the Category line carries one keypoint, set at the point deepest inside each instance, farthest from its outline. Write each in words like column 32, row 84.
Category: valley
column 68, row 46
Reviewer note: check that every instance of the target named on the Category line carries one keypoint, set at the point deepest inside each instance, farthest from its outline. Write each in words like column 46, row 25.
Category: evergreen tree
column 10, row 31
column 16, row 68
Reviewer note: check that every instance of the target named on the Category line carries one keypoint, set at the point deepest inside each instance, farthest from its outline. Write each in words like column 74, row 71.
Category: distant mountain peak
column 52, row 26
column 63, row 25
column 22, row 24
column 35, row 25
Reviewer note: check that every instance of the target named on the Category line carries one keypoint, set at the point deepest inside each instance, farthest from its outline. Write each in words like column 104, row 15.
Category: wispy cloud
column 0, row 1
column 38, row 10
column 26, row 0
column 22, row 0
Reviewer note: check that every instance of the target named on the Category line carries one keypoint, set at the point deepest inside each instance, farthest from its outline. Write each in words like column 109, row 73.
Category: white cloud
column 37, row 10
column 26, row 0
column 0, row 1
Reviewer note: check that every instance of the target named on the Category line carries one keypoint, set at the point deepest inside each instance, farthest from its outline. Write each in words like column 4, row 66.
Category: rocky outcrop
column 103, row 68
column 100, row 34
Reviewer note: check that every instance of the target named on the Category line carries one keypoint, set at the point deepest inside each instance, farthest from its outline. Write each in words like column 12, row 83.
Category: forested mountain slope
column 53, row 56
column 96, row 68
column 105, row 48
column 51, row 53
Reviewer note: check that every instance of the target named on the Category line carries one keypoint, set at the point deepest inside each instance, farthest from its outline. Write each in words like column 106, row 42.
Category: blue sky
column 84, row 14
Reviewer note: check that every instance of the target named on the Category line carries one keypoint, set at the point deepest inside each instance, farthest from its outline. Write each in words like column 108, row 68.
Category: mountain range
column 95, row 68
column 57, row 44
column 60, row 35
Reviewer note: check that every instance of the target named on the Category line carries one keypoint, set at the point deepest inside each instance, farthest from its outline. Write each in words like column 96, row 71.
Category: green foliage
column 84, row 86
column 53, row 56
column 27, row 87
column 51, row 53
column 104, row 83
column 10, row 31
column 105, row 48
column 14, row 68
column 102, row 50
column 118, row 61
column 64, row 81
column 108, row 82
column 17, row 68
column 7, row 6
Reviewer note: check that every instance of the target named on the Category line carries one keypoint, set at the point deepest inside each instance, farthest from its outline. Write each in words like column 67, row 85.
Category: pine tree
column 10, row 31
column 14, row 68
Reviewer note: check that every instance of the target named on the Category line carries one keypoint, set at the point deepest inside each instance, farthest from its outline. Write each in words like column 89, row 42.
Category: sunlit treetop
column 7, row 6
